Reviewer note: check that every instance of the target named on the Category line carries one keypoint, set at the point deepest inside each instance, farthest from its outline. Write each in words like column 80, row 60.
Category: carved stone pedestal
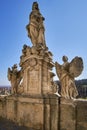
column 36, row 65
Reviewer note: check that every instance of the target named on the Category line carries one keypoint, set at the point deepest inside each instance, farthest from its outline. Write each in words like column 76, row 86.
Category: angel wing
column 9, row 74
column 76, row 66
column 19, row 76
column 58, row 69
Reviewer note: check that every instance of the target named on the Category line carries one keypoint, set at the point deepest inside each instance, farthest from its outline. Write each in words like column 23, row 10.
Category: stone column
column 54, row 112
column 46, row 113
column 51, row 112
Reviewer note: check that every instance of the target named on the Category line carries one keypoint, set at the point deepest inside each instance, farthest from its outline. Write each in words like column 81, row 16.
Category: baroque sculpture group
column 36, row 65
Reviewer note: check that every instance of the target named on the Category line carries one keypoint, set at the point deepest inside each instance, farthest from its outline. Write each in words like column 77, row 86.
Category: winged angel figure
column 15, row 77
column 66, row 74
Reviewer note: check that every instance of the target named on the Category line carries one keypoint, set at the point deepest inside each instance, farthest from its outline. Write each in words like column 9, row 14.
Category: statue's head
column 65, row 58
column 35, row 6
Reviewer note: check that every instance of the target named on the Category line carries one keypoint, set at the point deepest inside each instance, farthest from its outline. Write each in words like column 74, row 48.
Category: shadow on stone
column 9, row 125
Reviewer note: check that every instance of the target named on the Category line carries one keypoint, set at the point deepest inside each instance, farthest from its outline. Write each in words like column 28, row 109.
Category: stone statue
column 66, row 74
column 36, row 27
column 14, row 77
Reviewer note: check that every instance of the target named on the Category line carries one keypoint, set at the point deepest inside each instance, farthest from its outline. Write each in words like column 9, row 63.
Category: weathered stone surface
column 30, row 113
column 37, row 71
column 11, row 108
column 54, row 112
column 35, row 76
column 3, row 107
column 67, row 115
column 66, row 74
column 51, row 113
column 46, row 112
column 36, row 27
column 33, row 102
column 82, row 115
column 14, row 76
column 10, row 125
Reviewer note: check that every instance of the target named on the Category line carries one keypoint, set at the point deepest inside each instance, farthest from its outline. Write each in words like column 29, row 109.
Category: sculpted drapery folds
column 66, row 74
column 14, row 76
column 36, row 26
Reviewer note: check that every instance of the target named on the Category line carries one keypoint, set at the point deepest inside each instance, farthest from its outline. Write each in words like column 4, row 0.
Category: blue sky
column 65, row 31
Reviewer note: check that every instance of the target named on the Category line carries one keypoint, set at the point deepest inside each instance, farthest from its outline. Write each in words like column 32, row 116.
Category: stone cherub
column 14, row 77
column 36, row 26
column 66, row 74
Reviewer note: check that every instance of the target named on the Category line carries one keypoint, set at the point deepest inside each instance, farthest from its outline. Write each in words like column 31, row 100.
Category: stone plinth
column 51, row 112
column 36, row 71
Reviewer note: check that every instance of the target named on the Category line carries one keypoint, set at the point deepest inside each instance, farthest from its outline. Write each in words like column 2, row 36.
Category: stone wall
column 45, row 112
column 81, row 115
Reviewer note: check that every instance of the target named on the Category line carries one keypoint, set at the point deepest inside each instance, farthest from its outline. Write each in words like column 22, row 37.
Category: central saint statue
column 36, row 27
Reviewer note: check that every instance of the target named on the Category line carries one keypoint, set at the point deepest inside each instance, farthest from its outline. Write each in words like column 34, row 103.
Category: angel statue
column 66, row 74
column 14, row 77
